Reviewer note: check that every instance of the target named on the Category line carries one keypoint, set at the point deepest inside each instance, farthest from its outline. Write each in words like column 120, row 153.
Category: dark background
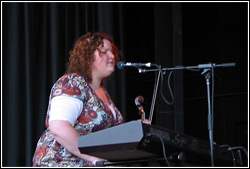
column 37, row 37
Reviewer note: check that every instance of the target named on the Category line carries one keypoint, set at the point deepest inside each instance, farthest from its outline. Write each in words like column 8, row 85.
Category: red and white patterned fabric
column 96, row 115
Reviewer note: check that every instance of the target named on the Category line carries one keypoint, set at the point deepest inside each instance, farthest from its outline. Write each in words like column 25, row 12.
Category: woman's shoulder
column 71, row 84
column 71, row 77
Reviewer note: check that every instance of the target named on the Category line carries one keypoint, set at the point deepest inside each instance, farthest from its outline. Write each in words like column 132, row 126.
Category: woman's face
column 104, row 63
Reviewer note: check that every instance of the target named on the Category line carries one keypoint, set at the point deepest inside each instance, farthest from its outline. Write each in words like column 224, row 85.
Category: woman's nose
column 111, row 55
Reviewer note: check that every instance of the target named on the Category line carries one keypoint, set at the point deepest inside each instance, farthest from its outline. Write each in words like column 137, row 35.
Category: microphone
column 121, row 65
column 138, row 101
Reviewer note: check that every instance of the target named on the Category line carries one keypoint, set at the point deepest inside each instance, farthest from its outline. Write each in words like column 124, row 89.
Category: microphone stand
column 200, row 66
column 155, row 89
column 206, row 71
column 154, row 96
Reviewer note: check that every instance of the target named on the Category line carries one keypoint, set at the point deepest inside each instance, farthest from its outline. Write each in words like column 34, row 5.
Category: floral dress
column 95, row 116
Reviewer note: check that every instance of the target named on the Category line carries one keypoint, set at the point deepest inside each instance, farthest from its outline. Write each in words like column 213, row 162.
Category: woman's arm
column 67, row 136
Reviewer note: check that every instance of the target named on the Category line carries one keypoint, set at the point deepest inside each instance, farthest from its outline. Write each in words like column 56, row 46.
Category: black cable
column 229, row 148
column 163, row 148
column 231, row 152
column 239, row 148
column 169, row 86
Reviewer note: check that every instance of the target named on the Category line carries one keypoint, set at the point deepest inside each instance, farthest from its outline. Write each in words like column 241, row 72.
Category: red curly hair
column 82, row 55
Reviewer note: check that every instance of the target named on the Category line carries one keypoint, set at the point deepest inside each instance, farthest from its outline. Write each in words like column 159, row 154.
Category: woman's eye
column 106, row 52
column 110, row 51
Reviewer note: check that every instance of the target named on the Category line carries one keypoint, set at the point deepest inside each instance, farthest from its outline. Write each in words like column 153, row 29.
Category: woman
column 78, row 103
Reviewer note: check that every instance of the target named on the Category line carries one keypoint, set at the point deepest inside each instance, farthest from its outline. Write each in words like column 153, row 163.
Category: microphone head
column 139, row 100
column 120, row 65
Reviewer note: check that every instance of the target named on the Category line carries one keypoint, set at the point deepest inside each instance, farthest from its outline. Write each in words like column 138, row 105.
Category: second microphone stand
column 207, row 69
column 207, row 73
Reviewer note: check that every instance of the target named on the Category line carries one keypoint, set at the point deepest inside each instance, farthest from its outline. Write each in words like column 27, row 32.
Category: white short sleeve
column 65, row 108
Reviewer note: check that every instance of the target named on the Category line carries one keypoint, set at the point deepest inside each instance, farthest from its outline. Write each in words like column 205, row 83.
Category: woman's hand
column 93, row 160
column 146, row 121
column 67, row 136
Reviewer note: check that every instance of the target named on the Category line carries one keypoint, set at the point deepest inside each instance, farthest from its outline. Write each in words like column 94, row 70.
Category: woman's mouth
column 111, row 62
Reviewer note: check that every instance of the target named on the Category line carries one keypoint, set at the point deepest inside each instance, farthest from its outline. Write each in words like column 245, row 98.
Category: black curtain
column 37, row 38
